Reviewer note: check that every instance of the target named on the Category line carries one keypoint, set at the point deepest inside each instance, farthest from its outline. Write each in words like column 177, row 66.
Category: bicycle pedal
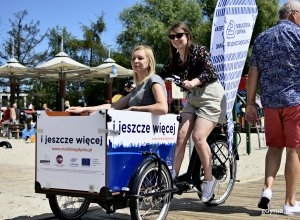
column 178, row 191
column 182, row 186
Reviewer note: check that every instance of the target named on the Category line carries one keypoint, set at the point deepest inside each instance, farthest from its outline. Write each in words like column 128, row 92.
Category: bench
column 15, row 130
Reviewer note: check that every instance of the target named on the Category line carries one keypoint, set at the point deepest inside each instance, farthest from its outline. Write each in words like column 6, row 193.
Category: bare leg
column 292, row 171
column 272, row 165
column 201, row 131
column 184, row 132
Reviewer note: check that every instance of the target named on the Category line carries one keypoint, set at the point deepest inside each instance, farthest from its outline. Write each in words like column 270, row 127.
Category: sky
column 67, row 13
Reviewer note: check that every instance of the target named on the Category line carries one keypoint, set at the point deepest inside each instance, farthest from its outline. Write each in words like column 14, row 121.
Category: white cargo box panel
column 71, row 152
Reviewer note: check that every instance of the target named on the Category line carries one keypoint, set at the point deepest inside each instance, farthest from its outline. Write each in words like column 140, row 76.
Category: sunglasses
column 177, row 35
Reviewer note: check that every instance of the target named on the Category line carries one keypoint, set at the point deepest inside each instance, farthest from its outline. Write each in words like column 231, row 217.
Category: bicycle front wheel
column 67, row 207
column 151, row 207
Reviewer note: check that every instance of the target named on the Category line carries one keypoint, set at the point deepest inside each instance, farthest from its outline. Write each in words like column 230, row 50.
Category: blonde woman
column 149, row 94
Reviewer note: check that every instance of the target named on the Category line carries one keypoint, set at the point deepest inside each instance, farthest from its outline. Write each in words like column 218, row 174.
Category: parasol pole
column 12, row 77
column 62, row 78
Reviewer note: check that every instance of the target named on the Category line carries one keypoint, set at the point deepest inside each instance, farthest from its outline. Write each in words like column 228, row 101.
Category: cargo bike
column 120, row 159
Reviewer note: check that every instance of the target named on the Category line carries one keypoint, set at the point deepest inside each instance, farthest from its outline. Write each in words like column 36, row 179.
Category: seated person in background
column 45, row 107
column 129, row 85
column 67, row 104
column 28, row 134
column 150, row 93
column 6, row 121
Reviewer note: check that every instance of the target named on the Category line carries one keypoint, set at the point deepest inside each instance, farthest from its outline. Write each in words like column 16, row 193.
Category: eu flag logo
column 85, row 161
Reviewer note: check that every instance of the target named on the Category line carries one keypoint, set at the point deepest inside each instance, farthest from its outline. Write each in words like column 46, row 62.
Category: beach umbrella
column 108, row 70
column 12, row 70
column 61, row 68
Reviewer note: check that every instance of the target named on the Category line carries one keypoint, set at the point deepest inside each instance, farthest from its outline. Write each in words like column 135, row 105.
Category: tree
column 266, row 18
column 88, row 51
column 148, row 22
column 92, row 40
column 26, row 37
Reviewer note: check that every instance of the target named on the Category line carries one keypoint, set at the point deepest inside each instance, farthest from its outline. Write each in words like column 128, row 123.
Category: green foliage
column 208, row 7
column 92, row 44
column 26, row 38
column 266, row 18
column 43, row 92
column 148, row 22
column 94, row 93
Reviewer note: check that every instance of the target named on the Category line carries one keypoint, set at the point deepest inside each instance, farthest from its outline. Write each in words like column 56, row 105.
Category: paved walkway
column 19, row 201
column 242, row 204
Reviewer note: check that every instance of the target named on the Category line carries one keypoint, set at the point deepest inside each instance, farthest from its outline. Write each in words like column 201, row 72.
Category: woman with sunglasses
column 149, row 94
column 206, row 101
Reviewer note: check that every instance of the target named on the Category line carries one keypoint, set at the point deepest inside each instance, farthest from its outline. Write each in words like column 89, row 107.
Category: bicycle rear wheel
column 67, row 207
column 223, row 169
column 151, row 207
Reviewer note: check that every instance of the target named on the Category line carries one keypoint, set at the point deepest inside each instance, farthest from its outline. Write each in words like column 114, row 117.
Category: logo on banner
column 86, row 162
column 59, row 159
column 74, row 162
column 230, row 32
column 45, row 162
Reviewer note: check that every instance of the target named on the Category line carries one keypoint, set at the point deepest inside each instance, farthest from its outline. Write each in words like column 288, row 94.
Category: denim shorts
column 208, row 102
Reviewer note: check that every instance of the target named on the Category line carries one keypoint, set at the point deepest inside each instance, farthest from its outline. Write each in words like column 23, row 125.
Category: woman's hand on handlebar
column 188, row 84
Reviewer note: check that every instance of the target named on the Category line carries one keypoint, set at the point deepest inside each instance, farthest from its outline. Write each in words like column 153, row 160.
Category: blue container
column 123, row 161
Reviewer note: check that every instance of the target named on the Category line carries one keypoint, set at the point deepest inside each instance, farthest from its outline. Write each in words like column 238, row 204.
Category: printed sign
column 71, row 152
column 86, row 153
column 129, row 134
column 232, row 29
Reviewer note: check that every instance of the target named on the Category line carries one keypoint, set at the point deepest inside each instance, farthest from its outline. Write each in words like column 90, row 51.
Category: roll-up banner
column 232, row 29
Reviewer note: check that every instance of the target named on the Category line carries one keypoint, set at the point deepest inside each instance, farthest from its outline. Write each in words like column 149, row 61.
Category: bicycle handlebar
column 177, row 81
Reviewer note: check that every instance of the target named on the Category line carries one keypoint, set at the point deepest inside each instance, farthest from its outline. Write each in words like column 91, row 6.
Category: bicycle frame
column 223, row 164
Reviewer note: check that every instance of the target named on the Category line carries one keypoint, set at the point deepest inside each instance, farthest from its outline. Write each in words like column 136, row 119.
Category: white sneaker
column 264, row 202
column 291, row 210
column 208, row 188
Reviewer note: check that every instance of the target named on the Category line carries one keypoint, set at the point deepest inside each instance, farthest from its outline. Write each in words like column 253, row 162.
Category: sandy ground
column 19, row 201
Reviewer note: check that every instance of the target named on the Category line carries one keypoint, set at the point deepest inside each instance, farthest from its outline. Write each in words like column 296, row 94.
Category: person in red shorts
column 275, row 65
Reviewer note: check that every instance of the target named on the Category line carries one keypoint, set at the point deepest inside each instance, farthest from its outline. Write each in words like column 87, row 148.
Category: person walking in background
column 6, row 121
column 275, row 65
column 149, row 95
column 13, row 114
column 17, row 111
column 206, row 101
